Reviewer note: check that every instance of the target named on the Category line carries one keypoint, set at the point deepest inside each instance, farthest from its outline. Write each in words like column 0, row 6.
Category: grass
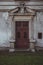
column 21, row 59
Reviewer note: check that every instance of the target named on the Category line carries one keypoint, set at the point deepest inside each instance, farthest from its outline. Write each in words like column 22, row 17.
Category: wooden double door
column 22, row 34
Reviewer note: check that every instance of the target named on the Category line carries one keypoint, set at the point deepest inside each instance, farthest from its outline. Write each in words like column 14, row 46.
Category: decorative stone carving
column 22, row 10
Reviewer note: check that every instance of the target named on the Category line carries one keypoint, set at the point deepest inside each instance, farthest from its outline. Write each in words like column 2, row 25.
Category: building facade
column 21, row 23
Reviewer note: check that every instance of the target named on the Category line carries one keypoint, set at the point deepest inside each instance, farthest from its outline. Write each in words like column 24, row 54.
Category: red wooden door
column 22, row 34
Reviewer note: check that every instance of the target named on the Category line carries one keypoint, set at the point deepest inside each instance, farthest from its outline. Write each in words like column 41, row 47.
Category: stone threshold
column 22, row 49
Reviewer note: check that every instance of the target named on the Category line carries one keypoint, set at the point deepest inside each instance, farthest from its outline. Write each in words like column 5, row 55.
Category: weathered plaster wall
column 38, row 27
column 5, row 29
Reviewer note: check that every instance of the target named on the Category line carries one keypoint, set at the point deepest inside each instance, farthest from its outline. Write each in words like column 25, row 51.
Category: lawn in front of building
column 21, row 59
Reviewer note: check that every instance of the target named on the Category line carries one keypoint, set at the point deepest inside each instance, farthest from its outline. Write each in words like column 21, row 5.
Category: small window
column 39, row 35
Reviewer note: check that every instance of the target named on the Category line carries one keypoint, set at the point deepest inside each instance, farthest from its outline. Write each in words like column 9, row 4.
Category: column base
column 32, row 45
column 12, row 45
column 32, row 50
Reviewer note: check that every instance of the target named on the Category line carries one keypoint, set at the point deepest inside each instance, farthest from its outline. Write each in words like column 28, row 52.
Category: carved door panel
column 22, row 34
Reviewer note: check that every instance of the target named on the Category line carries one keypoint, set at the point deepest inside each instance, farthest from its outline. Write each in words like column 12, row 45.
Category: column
column 32, row 41
column 12, row 40
column 29, row 34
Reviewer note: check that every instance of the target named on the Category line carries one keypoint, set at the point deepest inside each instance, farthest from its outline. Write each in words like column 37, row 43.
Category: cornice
column 17, row 3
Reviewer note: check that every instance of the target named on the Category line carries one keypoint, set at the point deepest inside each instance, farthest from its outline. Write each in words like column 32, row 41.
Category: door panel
column 22, row 34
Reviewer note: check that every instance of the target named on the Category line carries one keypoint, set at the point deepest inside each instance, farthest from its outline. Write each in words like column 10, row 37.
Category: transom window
column 20, row 23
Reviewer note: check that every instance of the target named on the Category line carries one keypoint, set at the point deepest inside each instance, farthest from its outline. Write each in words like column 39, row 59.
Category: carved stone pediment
column 22, row 10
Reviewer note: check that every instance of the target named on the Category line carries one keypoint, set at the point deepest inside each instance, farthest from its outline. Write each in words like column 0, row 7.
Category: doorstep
column 22, row 49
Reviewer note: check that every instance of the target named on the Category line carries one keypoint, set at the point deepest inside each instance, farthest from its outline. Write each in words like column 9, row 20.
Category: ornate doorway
column 22, row 34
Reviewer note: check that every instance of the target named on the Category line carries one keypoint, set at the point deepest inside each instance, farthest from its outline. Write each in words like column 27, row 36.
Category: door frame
column 30, row 27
